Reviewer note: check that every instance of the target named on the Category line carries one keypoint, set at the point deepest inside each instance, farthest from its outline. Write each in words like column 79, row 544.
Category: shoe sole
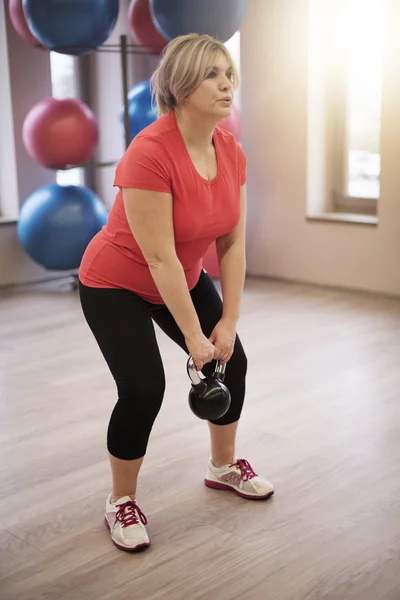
column 137, row 548
column 223, row 486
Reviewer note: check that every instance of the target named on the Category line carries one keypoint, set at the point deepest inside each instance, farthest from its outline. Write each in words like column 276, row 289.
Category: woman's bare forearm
column 171, row 283
column 232, row 267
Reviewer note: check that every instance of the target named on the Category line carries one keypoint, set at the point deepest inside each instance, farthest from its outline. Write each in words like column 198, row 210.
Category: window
column 233, row 46
column 362, row 36
column 64, row 82
column 8, row 171
column 364, row 49
column 345, row 60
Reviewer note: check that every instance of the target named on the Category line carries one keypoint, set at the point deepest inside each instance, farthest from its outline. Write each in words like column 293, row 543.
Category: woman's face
column 214, row 96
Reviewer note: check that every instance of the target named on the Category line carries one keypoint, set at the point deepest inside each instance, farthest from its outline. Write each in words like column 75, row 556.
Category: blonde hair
column 184, row 65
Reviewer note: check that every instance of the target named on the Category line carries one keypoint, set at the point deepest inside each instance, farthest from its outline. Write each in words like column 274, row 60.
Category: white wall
column 274, row 98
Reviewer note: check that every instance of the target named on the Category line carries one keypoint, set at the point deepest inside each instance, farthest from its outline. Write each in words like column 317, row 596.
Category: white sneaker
column 126, row 522
column 238, row 477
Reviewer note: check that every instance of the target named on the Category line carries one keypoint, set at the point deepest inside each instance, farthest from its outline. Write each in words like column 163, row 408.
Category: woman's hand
column 223, row 337
column 200, row 349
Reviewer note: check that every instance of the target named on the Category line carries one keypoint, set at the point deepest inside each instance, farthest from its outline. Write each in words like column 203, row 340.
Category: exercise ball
column 57, row 222
column 140, row 108
column 71, row 26
column 141, row 26
column 218, row 18
column 233, row 124
column 57, row 133
column 18, row 21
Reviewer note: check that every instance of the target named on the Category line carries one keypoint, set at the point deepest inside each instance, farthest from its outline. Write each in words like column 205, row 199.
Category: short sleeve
column 242, row 165
column 145, row 165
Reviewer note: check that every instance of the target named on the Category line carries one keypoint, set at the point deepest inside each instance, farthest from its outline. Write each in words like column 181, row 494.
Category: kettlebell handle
column 219, row 371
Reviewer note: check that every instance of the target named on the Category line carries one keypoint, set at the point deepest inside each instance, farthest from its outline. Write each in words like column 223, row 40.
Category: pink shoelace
column 246, row 470
column 127, row 514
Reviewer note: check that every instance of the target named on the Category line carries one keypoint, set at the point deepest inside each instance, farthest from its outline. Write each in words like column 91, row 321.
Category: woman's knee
column 235, row 380
column 133, row 416
column 141, row 391
column 237, row 365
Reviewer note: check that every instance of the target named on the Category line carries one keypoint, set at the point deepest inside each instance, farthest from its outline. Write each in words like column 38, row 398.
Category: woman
column 181, row 186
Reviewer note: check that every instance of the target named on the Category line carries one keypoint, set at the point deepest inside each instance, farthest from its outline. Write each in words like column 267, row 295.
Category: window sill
column 348, row 218
column 8, row 221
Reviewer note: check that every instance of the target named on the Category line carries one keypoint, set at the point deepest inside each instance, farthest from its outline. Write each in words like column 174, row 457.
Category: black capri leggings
column 121, row 322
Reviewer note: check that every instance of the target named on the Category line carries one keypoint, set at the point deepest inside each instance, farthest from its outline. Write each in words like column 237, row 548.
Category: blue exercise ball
column 218, row 18
column 142, row 111
column 71, row 26
column 57, row 222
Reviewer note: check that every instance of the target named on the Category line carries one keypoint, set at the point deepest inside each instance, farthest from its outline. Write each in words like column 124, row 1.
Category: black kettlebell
column 209, row 398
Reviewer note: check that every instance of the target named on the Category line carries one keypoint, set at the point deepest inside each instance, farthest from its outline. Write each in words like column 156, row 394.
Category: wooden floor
column 322, row 421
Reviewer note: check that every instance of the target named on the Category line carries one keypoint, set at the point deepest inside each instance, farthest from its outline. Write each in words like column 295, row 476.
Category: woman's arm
column 149, row 216
column 232, row 264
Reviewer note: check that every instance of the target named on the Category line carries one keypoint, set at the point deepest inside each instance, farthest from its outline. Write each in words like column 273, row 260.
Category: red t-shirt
column 157, row 159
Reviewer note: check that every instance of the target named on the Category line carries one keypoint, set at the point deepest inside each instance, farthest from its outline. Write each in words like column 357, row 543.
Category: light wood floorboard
column 321, row 420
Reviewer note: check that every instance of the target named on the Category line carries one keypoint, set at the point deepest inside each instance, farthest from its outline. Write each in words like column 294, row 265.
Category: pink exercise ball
column 57, row 133
column 141, row 25
column 233, row 123
column 18, row 20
